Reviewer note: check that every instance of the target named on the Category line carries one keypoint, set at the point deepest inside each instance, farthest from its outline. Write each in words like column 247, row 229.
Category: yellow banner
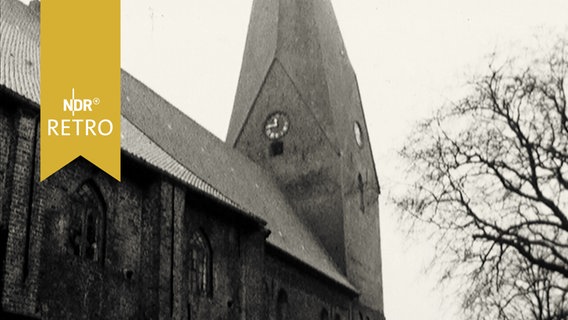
column 80, row 84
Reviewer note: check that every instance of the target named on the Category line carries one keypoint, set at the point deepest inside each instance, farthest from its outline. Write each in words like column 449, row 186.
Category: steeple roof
column 304, row 38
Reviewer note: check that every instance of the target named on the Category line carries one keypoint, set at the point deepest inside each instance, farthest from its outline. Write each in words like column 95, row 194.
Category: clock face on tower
column 276, row 125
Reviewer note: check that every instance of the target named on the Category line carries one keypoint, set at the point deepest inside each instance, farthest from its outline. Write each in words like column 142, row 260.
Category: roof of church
column 19, row 49
column 160, row 135
column 135, row 143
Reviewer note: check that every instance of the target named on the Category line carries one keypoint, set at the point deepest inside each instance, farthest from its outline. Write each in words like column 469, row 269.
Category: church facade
column 280, row 221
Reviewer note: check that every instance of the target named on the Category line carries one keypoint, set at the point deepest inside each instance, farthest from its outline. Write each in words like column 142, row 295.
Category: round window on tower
column 358, row 133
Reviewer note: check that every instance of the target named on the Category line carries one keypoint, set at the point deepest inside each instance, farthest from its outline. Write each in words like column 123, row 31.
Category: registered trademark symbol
column 96, row 101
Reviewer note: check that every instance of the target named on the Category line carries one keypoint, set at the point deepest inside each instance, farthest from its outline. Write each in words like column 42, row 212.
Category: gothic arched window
column 200, row 265
column 282, row 305
column 88, row 222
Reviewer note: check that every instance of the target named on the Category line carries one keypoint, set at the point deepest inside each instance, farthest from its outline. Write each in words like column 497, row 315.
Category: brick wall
column 7, row 136
column 165, row 289
column 150, row 253
column 224, row 236
column 252, row 251
column 20, row 210
column 149, row 223
column 307, row 295
column 121, row 286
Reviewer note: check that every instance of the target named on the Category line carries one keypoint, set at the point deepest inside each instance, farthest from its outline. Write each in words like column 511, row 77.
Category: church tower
column 298, row 114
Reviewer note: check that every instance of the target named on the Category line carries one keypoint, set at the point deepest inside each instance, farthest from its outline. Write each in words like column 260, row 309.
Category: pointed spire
column 303, row 36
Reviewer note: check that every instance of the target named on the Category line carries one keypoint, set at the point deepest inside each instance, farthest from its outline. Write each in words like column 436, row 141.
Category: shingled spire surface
column 303, row 37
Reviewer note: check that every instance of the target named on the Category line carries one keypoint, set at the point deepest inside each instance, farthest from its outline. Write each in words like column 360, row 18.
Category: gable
column 304, row 38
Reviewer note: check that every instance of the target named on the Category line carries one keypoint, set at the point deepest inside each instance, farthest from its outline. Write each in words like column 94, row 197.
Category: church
column 280, row 221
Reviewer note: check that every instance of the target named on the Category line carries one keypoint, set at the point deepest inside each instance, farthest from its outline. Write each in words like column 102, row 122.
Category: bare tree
column 492, row 177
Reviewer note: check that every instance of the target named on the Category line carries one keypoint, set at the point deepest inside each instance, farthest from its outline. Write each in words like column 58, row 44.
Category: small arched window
column 361, row 187
column 282, row 305
column 324, row 315
column 200, row 265
column 88, row 225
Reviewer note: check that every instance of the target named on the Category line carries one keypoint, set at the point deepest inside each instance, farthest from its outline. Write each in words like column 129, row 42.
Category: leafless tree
column 492, row 177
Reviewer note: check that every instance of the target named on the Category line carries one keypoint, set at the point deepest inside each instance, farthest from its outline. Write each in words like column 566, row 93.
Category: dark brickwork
column 179, row 255
column 307, row 295
column 253, row 299
column 92, row 289
column 7, row 136
column 34, row 236
column 224, row 239
column 150, row 234
column 17, row 294
column 165, row 291
column 7, row 145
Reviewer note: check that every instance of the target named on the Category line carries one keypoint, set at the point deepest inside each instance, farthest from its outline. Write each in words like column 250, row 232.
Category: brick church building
column 280, row 221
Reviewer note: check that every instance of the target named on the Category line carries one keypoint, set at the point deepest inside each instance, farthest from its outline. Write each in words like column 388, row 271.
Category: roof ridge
column 181, row 113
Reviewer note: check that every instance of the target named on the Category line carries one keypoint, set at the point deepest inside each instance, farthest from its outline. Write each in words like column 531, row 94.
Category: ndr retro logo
column 80, row 125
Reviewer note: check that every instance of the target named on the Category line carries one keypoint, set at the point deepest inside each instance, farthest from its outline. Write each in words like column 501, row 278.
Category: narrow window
column 282, row 305
column 361, row 187
column 200, row 265
column 358, row 134
column 276, row 148
column 324, row 315
column 88, row 222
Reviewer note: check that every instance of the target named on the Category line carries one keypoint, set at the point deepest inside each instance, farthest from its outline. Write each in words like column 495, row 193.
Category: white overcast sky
column 410, row 56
